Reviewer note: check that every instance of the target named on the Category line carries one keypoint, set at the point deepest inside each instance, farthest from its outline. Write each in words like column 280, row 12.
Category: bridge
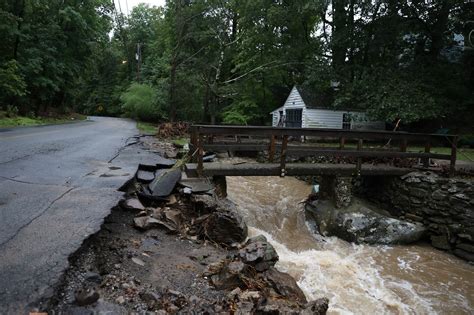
column 356, row 150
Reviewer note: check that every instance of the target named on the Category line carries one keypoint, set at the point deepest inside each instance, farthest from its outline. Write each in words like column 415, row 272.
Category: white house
column 304, row 109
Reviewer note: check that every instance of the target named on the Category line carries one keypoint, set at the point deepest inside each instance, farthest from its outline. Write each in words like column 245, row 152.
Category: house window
column 346, row 121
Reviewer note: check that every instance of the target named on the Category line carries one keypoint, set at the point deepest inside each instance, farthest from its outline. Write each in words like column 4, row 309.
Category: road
column 57, row 183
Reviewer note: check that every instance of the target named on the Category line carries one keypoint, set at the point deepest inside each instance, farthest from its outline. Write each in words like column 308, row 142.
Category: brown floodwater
column 358, row 279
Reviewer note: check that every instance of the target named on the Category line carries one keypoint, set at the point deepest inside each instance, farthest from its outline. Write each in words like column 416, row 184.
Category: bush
column 139, row 102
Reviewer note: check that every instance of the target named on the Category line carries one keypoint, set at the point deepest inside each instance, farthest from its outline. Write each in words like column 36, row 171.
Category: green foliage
column 139, row 101
column 235, row 61
column 12, row 83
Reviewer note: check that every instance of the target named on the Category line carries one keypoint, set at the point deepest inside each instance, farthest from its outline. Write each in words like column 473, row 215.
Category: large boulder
column 259, row 253
column 283, row 285
column 360, row 224
column 225, row 227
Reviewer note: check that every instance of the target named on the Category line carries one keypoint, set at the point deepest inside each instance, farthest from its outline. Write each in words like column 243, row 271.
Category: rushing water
column 358, row 279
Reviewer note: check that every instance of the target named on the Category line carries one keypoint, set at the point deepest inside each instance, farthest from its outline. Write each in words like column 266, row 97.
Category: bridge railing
column 350, row 143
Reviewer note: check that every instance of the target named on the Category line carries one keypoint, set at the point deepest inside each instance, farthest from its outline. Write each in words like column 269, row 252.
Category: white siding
column 323, row 118
column 275, row 119
column 293, row 101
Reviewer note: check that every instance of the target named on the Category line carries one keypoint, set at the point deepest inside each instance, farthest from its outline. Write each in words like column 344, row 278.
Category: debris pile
column 173, row 246
column 173, row 129
column 256, row 286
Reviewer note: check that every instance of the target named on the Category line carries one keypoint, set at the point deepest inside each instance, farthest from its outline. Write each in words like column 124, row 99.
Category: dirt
column 170, row 263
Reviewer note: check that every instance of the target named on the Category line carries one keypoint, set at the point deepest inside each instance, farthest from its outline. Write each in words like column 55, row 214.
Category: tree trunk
column 339, row 42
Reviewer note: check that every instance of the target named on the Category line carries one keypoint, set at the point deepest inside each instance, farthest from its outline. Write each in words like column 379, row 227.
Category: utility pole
column 138, row 57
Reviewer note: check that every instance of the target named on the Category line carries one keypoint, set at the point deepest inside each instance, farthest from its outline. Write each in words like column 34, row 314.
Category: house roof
column 321, row 99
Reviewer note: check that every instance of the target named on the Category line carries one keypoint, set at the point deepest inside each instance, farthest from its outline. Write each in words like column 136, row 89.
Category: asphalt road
column 57, row 183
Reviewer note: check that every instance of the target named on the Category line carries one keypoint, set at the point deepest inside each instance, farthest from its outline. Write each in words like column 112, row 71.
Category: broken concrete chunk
column 145, row 176
column 132, row 204
column 163, row 185
column 146, row 223
column 197, row 185
column 166, row 163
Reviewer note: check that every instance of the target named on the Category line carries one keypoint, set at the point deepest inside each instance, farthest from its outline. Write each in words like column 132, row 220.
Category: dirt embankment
column 180, row 253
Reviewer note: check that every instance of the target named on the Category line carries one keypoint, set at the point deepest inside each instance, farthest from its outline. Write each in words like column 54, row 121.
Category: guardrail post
column 284, row 145
column 403, row 145
column 342, row 142
column 359, row 160
column 426, row 161
column 452, row 166
column 200, row 155
column 271, row 150
column 194, row 141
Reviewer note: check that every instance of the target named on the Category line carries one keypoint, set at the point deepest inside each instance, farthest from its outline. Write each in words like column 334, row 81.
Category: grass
column 22, row 121
column 146, row 128
column 180, row 142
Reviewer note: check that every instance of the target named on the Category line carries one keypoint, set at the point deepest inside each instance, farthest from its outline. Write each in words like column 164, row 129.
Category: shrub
column 139, row 102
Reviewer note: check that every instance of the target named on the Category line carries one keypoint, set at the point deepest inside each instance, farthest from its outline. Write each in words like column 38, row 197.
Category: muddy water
column 358, row 279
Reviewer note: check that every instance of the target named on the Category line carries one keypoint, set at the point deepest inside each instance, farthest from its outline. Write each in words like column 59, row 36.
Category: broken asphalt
column 57, row 183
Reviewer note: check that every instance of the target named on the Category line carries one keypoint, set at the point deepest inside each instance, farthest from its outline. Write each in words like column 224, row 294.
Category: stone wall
column 444, row 205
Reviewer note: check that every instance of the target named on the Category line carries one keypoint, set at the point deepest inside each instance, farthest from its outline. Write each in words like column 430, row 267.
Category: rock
column 418, row 192
column 86, row 296
column 413, row 217
column 466, row 247
column 93, row 277
column 172, row 200
column 138, row 261
column 463, row 254
column 151, row 299
column 316, row 307
column 244, row 308
column 132, row 204
column 146, row 223
column 284, row 285
column 342, row 192
column 259, row 253
column 362, row 225
column 120, row 300
column 250, row 296
column 440, row 241
column 439, row 195
column 231, row 276
column 225, row 227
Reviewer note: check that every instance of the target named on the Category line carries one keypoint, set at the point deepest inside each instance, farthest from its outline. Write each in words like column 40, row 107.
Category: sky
column 134, row 3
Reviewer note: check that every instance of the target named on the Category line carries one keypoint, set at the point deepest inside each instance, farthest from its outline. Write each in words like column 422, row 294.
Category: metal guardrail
column 203, row 137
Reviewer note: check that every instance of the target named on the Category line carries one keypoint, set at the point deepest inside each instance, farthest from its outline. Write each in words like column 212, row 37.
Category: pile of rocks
column 256, row 286
column 445, row 206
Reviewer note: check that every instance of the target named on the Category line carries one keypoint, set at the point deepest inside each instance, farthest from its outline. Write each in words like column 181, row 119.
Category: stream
column 357, row 279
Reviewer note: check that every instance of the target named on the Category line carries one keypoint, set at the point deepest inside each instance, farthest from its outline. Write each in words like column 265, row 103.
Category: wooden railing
column 259, row 138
